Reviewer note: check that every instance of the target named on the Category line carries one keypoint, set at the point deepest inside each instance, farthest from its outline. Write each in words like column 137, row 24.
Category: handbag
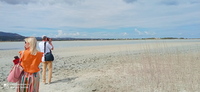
column 15, row 72
column 48, row 56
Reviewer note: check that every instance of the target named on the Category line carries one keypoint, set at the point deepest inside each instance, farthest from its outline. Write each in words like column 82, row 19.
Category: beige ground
column 158, row 67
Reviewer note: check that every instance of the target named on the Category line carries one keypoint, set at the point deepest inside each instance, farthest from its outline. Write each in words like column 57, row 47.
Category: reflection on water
column 61, row 44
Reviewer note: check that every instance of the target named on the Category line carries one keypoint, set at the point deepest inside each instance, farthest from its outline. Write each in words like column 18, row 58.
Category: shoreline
column 112, row 39
column 67, row 44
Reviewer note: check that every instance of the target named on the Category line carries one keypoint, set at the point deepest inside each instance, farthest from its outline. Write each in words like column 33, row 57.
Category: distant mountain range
column 5, row 36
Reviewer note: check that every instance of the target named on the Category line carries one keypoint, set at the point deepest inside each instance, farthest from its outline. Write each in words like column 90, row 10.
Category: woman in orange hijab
column 30, row 61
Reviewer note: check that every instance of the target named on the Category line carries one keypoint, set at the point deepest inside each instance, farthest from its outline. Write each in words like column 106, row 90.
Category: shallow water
column 61, row 44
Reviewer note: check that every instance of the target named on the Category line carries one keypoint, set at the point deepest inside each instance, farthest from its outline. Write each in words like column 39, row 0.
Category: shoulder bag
column 15, row 72
column 48, row 56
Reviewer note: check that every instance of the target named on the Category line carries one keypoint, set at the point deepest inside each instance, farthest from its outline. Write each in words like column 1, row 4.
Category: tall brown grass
column 164, row 69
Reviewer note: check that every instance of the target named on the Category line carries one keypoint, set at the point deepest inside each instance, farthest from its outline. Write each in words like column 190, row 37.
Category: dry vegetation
column 174, row 69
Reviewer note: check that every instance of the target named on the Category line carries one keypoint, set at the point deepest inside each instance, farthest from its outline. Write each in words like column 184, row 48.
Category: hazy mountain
column 5, row 36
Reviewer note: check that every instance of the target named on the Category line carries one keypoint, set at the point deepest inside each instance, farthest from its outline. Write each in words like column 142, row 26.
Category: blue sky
column 101, row 18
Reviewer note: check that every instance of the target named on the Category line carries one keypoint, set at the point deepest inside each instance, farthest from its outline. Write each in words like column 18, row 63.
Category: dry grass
column 174, row 69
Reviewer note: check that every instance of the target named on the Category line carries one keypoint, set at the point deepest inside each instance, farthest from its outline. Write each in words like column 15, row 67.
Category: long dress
column 29, row 82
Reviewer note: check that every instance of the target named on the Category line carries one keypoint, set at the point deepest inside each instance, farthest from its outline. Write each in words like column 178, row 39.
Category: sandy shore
column 150, row 67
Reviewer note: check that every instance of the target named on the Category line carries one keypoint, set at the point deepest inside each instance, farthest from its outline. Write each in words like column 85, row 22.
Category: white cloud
column 75, row 34
column 124, row 34
column 139, row 32
column 102, row 14
column 144, row 32
column 15, row 2
column 61, row 34
column 67, row 34
column 89, row 13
